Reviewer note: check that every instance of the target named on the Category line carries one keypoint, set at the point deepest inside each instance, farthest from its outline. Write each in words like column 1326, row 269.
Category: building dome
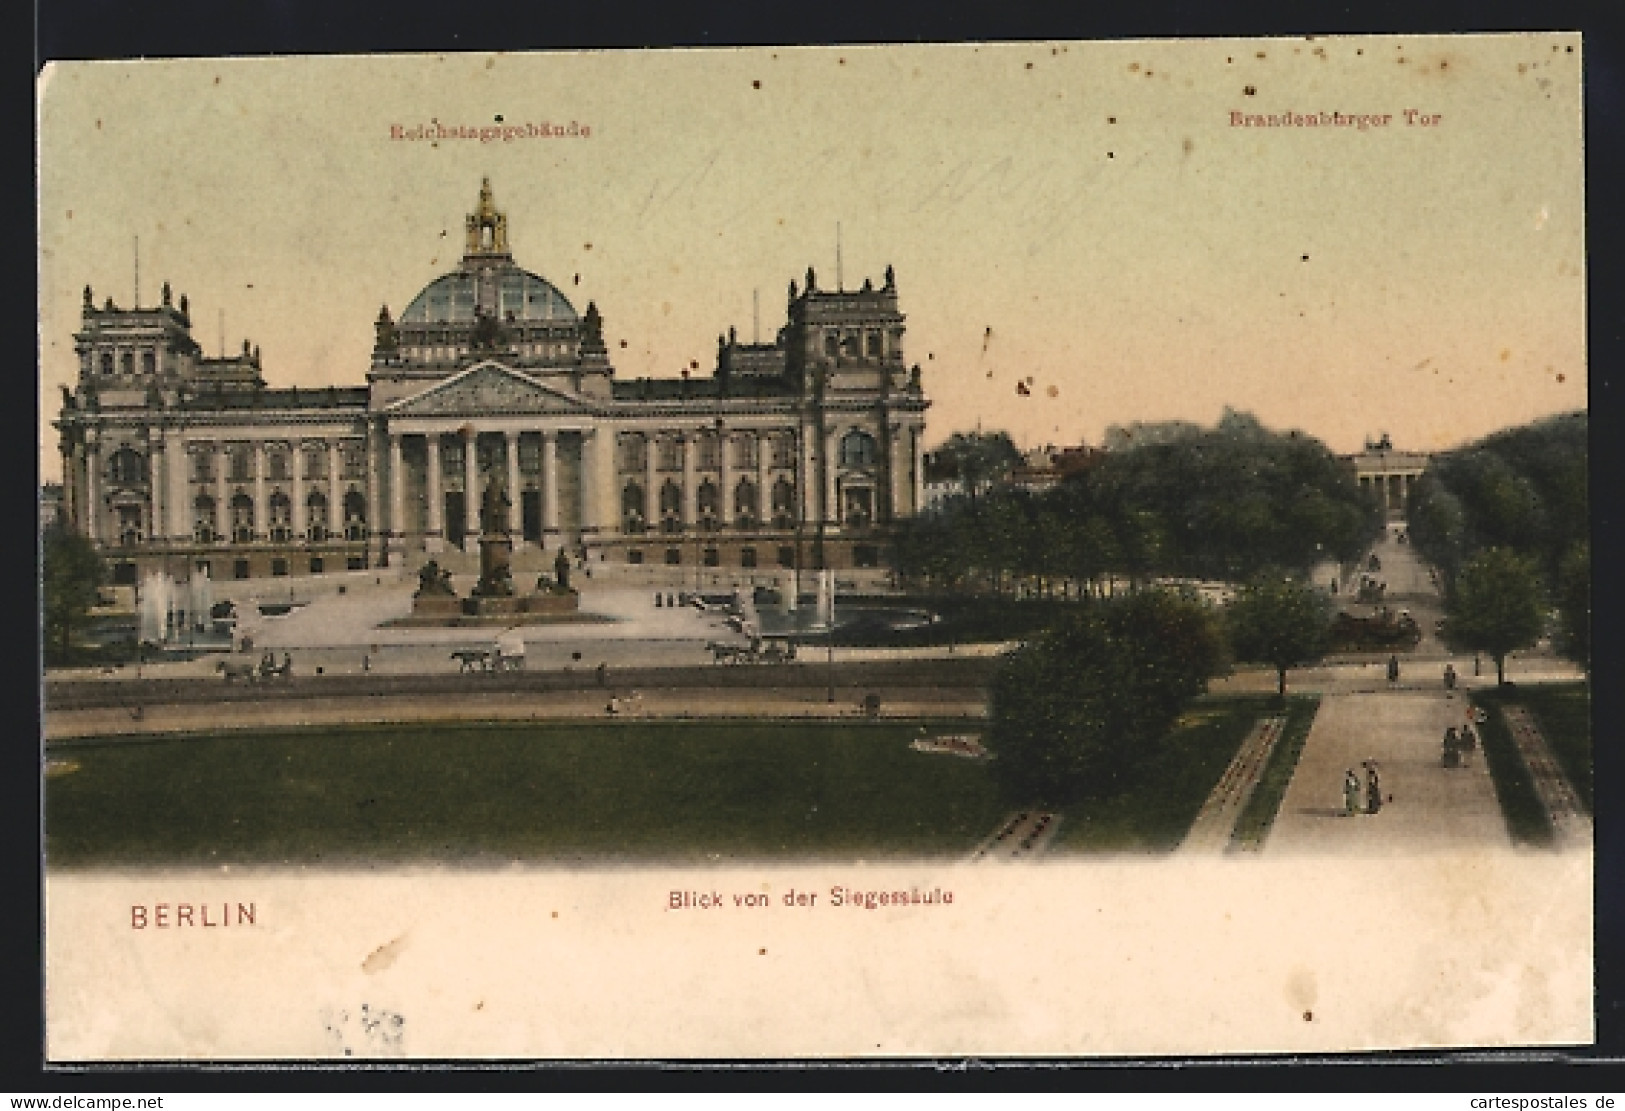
column 450, row 299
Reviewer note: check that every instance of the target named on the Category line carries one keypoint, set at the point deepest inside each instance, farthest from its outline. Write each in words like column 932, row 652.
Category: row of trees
column 1223, row 503
column 1505, row 521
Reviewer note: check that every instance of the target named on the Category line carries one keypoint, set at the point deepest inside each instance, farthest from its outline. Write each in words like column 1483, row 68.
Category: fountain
column 493, row 599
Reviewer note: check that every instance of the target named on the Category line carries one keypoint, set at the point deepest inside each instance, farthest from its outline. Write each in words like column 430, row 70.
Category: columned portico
column 397, row 493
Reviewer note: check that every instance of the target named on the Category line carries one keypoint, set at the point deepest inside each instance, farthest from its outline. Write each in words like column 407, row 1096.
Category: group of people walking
column 1460, row 744
column 1373, row 790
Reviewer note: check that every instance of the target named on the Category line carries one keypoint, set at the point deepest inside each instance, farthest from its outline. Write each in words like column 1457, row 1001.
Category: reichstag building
column 798, row 453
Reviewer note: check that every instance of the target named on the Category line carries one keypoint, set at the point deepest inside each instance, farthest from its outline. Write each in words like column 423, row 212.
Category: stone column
column 764, row 491
column 374, row 465
column 809, row 486
column 590, row 481
column 896, row 473
column 435, row 541
column 516, row 497
column 471, row 489
column 725, row 515
column 603, row 472
column 832, row 511
column 919, row 471
column 397, row 493
column 261, row 530
column 222, row 491
column 651, row 493
column 335, row 489
column 297, row 521
column 689, row 444
column 180, row 507
column 157, row 476
column 550, row 487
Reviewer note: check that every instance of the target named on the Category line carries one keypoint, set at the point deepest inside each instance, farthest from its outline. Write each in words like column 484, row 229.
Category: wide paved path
column 1433, row 807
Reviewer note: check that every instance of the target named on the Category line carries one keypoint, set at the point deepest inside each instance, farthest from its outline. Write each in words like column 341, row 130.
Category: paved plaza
column 1432, row 807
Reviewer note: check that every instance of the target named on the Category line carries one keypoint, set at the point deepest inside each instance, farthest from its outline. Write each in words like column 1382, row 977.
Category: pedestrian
column 1351, row 793
column 1451, row 756
column 1393, row 671
column 1449, row 677
column 1469, row 742
column 603, row 675
column 1373, row 788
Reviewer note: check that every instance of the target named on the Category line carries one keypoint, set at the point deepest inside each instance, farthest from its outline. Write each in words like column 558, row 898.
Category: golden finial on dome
column 487, row 228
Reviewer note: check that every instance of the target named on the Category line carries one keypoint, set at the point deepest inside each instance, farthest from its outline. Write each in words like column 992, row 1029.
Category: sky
column 1083, row 233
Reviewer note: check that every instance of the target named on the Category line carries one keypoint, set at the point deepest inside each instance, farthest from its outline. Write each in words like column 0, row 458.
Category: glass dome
column 450, row 300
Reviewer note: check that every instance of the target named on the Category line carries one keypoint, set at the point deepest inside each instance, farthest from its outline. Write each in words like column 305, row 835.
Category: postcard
column 977, row 549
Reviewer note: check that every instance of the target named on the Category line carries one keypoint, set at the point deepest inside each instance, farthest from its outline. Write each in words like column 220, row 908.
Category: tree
column 72, row 579
column 1494, row 606
column 1574, row 605
column 980, row 458
column 1280, row 622
column 1077, row 711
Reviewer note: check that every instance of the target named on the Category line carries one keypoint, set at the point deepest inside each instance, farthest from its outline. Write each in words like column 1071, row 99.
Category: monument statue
column 561, row 570
column 434, row 581
column 496, row 578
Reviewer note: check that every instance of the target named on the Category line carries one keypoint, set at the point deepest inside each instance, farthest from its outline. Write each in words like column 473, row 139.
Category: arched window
column 746, row 506
column 708, row 503
column 316, row 514
column 857, row 449
column 204, row 526
column 128, row 467
column 107, row 362
column 241, row 465
column 874, row 345
column 784, row 504
column 633, row 518
column 242, row 519
column 277, row 466
column 671, row 507
column 281, row 513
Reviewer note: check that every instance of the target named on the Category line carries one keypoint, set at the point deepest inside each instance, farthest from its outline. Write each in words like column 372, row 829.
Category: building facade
column 1388, row 474
column 799, row 453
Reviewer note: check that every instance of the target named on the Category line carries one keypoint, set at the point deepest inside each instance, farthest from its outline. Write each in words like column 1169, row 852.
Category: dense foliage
column 72, row 577
column 1224, row 503
column 1078, row 711
column 1524, row 491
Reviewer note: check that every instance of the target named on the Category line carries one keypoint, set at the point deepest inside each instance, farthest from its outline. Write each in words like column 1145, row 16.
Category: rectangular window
column 866, row 555
column 279, row 567
column 239, row 569
column 204, row 569
column 674, row 556
column 202, row 468
column 747, row 557
column 634, row 555
column 787, row 557
column 316, row 565
column 713, row 558
column 530, row 455
column 355, row 563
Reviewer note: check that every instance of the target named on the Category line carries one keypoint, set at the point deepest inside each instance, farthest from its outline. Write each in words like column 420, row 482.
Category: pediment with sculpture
column 486, row 389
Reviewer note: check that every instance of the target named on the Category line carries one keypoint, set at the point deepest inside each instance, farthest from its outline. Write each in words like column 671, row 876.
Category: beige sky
column 1082, row 215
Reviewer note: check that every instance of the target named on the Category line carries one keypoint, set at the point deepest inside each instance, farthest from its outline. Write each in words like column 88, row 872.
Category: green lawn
column 1563, row 712
column 1154, row 811
column 1253, row 826
column 579, row 791
column 1525, row 816
column 587, row 792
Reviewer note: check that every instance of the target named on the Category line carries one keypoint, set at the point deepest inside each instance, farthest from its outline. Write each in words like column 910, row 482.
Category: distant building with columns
column 1388, row 474
column 799, row 453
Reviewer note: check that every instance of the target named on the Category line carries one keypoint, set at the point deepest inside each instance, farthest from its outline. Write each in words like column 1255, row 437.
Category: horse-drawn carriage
column 265, row 670
column 1384, row 629
column 760, row 650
